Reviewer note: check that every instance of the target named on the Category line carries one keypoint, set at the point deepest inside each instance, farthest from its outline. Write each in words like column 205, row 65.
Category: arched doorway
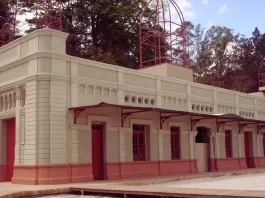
column 202, row 149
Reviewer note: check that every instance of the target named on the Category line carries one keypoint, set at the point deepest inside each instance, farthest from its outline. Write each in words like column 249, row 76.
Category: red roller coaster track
column 165, row 38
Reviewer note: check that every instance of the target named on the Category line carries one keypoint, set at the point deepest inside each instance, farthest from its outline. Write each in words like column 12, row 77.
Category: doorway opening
column 98, row 151
column 202, row 149
column 248, row 139
column 10, row 148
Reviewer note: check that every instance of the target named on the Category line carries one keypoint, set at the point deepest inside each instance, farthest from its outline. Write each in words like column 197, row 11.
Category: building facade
column 64, row 119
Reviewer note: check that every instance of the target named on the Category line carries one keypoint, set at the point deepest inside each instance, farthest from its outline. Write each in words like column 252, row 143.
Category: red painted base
column 52, row 174
column 259, row 162
column 3, row 176
column 227, row 164
column 147, row 169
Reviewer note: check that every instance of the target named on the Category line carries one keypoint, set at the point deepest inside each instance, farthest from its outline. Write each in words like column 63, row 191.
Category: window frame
column 139, row 147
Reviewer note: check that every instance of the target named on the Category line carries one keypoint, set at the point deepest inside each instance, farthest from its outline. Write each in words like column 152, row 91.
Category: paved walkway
column 135, row 186
column 241, row 182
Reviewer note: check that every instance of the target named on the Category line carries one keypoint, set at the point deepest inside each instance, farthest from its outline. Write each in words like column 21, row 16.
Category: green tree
column 100, row 29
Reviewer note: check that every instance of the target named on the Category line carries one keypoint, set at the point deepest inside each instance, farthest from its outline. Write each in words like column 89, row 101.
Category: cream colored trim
column 163, row 131
column 201, row 124
column 219, row 134
column 228, row 127
column 99, row 119
column 79, row 127
column 8, row 114
column 249, row 129
column 184, row 132
column 174, row 124
column 142, row 122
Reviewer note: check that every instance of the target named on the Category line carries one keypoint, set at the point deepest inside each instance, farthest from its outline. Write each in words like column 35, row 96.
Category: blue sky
column 241, row 15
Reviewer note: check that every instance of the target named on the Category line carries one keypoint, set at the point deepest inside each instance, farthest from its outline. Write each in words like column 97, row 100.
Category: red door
column 247, row 151
column 97, row 152
column 11, row 142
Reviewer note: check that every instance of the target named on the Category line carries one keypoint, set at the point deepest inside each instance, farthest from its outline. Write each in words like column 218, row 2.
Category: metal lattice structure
column 217, row 82
column 162, row 36
column 49, row 14
column 6, row 35
column 261, row 75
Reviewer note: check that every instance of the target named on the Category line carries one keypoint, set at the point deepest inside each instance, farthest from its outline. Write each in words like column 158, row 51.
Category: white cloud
column 186, row 8
column 222, row 9
column 23, row 26
column 205, row 2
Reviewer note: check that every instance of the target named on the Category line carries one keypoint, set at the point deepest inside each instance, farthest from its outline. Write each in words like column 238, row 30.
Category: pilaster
column 58, row 122
column 19, row 129
column 192, row 143
column 31, row 128
column 241, row 145
column 44, row 122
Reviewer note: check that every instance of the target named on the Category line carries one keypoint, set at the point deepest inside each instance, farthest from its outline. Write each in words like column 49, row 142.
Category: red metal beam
column 219, row 124
column 78, row 110
column 164, row 118
column 241, row 127
column 259, row 128
column 124, row 115
column 194, row 121
column 77, row 113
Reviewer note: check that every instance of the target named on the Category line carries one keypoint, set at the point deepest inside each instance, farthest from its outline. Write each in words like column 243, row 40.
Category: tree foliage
column 108, row 31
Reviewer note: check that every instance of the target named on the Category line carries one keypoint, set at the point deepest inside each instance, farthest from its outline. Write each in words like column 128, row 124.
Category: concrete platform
column 135, row 187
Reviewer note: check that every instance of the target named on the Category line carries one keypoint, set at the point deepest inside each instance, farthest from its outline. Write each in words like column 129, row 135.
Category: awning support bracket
column 260, row 129
column 241, row 127
column 164, row 118
column 219, row 124
column 194, row 121
column 77, row 113
column 125, row 115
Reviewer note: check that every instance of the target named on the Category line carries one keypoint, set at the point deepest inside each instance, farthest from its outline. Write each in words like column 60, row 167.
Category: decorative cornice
column 8, row 114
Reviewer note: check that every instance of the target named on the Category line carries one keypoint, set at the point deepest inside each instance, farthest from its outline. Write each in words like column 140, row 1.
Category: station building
column 65, row 119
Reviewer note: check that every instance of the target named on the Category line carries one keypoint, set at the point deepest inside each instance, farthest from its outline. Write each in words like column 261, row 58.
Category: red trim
column 124, row 115
column 11, row 143
column 219, row 124
column 259, row 162
column 97, row 152
column 228, row 143
column 260, row 128
column 241, row 127
column 194, row 121
column 52, row 174
column 164, row 118
column 175, row 143
column 139, row 143
column 79, row 110
column 149, row 169
column 2, row 173
column 228, row 164
column 77, row 113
